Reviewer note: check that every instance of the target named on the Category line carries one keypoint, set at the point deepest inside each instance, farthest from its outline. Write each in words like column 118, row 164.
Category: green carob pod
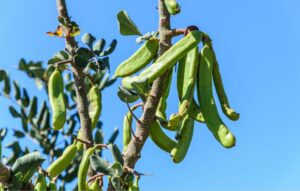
column 63, row 161
column 56, row 98
column 164, row 62
column 160, row 138
column 184, row 139
column 207, row 102
column 141, row 58
column 172, row 7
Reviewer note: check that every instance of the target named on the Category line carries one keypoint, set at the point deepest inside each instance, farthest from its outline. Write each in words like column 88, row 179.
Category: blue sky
column 257, row 44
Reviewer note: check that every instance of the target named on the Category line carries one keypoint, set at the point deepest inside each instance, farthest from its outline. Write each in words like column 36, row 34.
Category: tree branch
column 135, row 146
column 79, row 77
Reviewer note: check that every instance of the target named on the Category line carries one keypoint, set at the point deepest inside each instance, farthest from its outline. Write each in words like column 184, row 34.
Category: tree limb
column 79, row 78
column 133, row 151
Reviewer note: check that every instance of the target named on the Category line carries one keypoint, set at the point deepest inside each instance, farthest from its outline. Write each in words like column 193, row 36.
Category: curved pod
column 139, row 59
column 207, row 102
column 63, row 161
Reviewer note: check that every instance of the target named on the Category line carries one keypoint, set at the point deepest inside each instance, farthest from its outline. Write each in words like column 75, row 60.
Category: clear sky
column 257, row 43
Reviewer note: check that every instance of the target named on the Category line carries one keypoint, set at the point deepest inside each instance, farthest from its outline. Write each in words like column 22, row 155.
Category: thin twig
column 63, row 62
column 84, row 142
column 134, row 116
column 128, row 169
column 90, row 78
column 95, row 177
column 176, row 32
column 132, row 132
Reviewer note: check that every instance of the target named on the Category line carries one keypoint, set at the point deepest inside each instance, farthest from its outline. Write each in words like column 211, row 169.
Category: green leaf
column 99, row 136
column 63, row 55
column 16, row 182
column 110, row 49
column 117, row 169
column 88, row 54
column 99, row 46
column 113, row 136
column 101, row 165
column 40, row 116
column 88, row 39
column 33, row 108
column 80, row 61
column 116, row 182
column 127, row 95
column 6, row 88
column 17, row 90
column 2, row 75
column 25, row 98
column 14, row 112
column 116, row 153
column 54, row 60
column 46, row 120
column 18, row 134
column 23, row 65
column 3, row 133
column 126, row 25
column 27, row 165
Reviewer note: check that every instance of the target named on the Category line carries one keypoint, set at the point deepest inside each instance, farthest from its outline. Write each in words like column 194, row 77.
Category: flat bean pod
column 56, row 98
column 184, row 139
column 139, row 59
column 95, row 186
column 63, row 161
column 164, row 62
column 95, row 105
column 172, row 7
column 196, row 112
column 51, row 186
column 162, row 105
column 217, row 78
column 83, row 168
column 207, row 102
column 160, row 138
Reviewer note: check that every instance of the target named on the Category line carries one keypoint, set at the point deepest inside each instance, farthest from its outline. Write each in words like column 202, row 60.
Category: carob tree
column 146, row 76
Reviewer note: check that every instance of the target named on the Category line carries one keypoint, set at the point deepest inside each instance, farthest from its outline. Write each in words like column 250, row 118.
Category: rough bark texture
column 81, row 93
column 4, row 174
column 135, row 146
column 133, row 151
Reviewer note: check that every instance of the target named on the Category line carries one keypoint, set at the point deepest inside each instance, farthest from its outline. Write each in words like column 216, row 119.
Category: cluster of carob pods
column 197, row 70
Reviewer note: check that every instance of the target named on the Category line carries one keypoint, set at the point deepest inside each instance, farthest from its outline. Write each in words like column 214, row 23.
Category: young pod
column 51, row 186
column 217, row 78
column 95, row 185
column 139, row 59
column 186, row 79
column 164, row 62
column 162, row 105
column 127, row 125
column 95, row 105
column 83, row 168
column 40, row 184
column 184, row 139
column 207, row 102
column 195, row 112
column 172, row 7
column 56, row 98
column 135, row 185
column 160, row 138
column 63, row 161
